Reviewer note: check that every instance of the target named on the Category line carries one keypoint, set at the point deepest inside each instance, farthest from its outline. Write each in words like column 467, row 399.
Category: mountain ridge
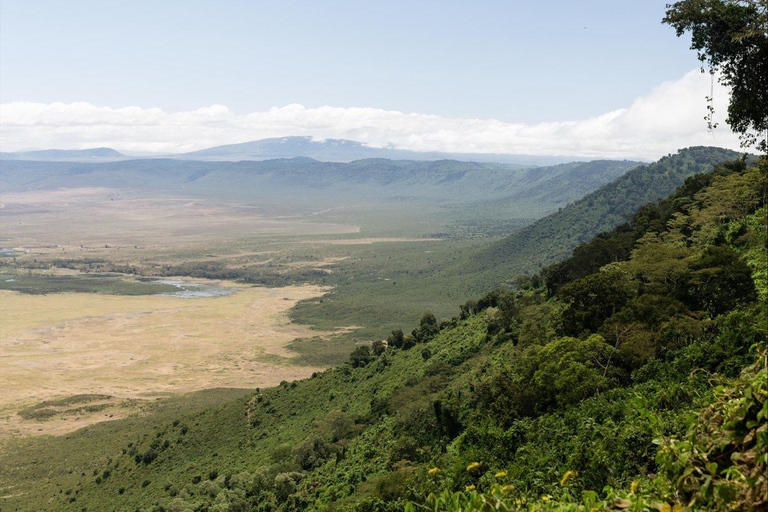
column 444, row 179
column 324, row 150
column 100, row 153
column 344, row 150
column 552, row 238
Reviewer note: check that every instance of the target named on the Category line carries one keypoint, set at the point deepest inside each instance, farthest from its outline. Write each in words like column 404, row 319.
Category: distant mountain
column 443, row 182
column 328, row 150
column 340, row 150
column 64, row 155
column 552, row 238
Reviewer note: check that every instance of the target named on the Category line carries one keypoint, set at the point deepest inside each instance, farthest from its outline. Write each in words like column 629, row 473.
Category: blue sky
column 523, row 61
column 589, row 79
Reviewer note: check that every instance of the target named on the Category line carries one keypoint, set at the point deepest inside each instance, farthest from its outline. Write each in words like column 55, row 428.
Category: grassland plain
column 382, row 260
column 375, row 262
column 129, row 348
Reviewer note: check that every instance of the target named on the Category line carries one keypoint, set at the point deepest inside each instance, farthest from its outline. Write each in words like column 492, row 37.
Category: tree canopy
column 731, row 38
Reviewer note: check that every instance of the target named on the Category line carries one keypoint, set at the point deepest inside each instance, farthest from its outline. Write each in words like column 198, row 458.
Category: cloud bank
column 668, row 118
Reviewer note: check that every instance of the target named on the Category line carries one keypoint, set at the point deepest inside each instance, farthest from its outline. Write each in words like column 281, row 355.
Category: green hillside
column 639, row 385
column 553, row 237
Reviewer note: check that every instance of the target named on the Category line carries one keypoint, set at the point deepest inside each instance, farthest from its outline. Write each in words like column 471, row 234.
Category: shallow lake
column 190, row 290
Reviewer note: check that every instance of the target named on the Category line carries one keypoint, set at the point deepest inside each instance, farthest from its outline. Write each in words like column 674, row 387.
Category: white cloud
column 668, row 118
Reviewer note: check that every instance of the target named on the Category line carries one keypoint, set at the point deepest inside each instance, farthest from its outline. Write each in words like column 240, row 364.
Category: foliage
column 722, row 462
column 730, row 37
column 552, row 238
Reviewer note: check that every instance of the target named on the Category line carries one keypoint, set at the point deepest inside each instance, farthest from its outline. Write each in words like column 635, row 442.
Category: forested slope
column 553, row 237
column 536, row 400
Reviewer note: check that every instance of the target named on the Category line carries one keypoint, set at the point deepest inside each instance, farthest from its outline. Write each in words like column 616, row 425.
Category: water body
column 189, row 290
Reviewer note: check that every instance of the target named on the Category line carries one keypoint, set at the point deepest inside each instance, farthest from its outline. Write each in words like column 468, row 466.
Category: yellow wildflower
column 678, row 508
column 501, row 474
column 567, row 476
column 473, row 466
column 434, row 471
column 507, row 488
column 665, row 508
column 469, row 488
column 633, row 486
column 545, row 498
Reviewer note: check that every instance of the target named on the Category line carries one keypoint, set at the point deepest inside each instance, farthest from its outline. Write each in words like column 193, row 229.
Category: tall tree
column 731, row 38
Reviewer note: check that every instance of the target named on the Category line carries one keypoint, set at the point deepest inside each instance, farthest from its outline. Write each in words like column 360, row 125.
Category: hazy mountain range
column 308, row 180
column 328, row 150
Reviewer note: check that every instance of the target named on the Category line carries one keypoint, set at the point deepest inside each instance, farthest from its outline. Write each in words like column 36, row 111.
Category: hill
column 342, row 150
column 324, row 150
column 553, row 237
column 67, row 155
column 638, row 386
column 310, row 181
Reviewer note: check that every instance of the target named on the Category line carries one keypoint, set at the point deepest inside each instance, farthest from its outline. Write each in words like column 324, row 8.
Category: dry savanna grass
column 134, row 348
column 94, row 217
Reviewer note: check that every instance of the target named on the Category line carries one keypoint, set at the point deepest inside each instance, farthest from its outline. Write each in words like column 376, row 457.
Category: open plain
column 135, row 348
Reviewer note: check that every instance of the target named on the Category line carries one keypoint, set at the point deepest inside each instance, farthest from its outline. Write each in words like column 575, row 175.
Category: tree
column 720, row 281
column 593, row 299
column 469, row 308
column 427, row 329
column 361, row 356
column 731, row 38
column 542, row 378
column 378, row 347
column 395, row 340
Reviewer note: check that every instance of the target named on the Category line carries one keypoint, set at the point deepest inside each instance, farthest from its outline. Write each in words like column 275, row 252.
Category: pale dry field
column 370, row 240
column 94, row 217
column 140, row 347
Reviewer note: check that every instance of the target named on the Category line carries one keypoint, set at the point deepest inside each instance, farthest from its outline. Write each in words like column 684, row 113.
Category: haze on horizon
column 490, row 77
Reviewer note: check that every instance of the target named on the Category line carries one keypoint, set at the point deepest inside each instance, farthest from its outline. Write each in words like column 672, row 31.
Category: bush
column 360, row 357
column 722, row 462
column 395, row 339
column 286, row 483
column 378, row 347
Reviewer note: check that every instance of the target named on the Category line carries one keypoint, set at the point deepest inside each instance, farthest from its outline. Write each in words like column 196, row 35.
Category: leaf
column 622, row 503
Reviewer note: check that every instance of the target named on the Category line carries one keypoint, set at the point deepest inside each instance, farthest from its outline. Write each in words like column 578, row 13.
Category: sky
column 544, row 77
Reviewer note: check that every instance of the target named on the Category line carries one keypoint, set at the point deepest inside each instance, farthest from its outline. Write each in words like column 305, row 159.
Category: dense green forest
column 552, row 238
column 637, row 384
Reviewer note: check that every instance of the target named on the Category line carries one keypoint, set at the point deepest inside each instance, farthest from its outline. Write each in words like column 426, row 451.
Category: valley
column 88, row 270
column 146, row 305
column 384, row 256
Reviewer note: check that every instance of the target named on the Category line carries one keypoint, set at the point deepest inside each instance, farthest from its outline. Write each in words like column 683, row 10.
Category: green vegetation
column 730, row 37
column 631, row 375
column 571, row 395
column 552, row 238
column 70, row 405
column 35, row 283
